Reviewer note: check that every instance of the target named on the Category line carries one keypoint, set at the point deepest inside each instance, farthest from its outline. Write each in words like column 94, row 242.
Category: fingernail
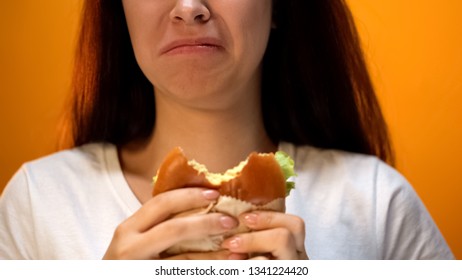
column 210, row 194
column 250, row 219
column 234, row 243
column 228, row 222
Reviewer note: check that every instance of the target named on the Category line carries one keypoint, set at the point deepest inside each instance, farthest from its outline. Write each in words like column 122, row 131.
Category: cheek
column 252, row 25
column 145, row 20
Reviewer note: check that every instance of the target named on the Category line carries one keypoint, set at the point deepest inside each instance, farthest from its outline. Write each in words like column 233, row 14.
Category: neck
column 220, row 139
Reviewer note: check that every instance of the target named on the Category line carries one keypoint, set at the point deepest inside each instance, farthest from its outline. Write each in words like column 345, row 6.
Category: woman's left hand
column 274, row 235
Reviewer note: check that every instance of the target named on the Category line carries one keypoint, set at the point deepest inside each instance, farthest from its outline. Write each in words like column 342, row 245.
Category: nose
column 190, row 12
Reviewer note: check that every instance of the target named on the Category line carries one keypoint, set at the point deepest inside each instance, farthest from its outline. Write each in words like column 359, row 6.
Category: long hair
column 316, row 89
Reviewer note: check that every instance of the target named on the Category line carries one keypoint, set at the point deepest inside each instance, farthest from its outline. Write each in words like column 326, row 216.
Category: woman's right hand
column 150, row 231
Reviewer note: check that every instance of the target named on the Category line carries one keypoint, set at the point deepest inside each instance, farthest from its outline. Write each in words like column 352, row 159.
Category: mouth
column 191, row 46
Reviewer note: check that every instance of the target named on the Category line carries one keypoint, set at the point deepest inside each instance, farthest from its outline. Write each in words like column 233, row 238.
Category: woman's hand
column 275, row 236
column 148, row 232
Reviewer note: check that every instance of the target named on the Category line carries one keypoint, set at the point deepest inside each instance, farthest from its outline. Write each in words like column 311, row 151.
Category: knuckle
column 267, row 219
column 123, row 252
column 299, row 226
column 122, row 244
column 189, row 228
column 160, row 199
column 121, row 231
column 192, row 226
column 284, row 237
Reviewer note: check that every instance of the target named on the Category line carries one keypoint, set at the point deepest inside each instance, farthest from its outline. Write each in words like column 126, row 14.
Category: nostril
column 190, row 14
column 200, row 18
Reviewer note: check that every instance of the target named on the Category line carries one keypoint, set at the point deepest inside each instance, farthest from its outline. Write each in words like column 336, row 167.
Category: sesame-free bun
column 257, row 180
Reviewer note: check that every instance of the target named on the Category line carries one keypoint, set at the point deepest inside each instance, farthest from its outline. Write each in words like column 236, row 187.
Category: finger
column 174, row 231
column 261, row 220
column 164, row 205
column 259, row 258
column 279, row 242
column 219, row 255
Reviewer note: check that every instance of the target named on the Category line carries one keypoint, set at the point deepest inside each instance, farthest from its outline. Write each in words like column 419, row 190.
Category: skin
column 205, row 93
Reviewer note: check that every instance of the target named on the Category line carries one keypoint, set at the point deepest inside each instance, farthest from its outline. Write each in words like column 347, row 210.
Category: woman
column 220, row 79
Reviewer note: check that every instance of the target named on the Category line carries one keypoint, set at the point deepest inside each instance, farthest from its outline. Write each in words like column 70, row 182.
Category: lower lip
column 196, row 49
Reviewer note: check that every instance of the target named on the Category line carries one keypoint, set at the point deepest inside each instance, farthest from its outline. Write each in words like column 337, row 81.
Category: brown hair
column 316, row 89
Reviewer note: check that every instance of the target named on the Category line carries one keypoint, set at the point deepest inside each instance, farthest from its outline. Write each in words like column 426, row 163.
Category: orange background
column 415, row 57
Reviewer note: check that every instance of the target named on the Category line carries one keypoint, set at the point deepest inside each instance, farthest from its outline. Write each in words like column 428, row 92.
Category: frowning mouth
column 194, row 45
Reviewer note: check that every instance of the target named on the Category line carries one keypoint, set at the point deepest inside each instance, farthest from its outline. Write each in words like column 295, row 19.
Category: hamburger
column 260, row 182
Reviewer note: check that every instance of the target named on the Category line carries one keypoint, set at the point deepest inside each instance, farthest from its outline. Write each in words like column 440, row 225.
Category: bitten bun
column 257, row 180
column 258, row 183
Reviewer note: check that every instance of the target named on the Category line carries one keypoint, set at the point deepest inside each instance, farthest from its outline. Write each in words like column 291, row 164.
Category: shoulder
column 63, row 171
column 69, row 163
column 87, row 154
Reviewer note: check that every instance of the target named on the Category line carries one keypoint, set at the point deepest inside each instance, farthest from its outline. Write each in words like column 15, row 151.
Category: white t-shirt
column 67, row 206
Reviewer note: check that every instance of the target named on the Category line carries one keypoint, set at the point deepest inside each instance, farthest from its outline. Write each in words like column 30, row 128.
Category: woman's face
column 200, row 50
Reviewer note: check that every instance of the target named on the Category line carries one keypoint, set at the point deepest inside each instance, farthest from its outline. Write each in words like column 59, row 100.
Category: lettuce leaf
column 287, row 166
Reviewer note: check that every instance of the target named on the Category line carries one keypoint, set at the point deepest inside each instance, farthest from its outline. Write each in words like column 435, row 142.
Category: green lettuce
column 287, row 166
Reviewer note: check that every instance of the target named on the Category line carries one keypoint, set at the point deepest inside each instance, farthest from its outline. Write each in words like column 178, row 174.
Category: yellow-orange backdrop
column 413, row 48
